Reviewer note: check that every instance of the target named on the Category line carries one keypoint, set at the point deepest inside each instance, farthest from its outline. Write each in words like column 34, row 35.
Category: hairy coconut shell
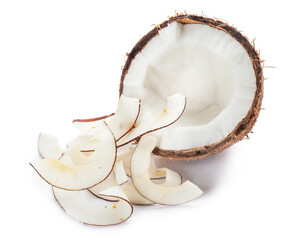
column 245, row 126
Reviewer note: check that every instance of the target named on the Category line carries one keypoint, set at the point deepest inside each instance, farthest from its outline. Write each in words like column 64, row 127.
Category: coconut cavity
column 205, row 64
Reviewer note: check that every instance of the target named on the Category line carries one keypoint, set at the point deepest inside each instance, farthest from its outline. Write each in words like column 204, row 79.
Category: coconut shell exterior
column 244, row 127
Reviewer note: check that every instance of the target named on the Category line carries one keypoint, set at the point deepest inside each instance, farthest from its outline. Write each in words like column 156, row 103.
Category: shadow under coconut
column 205, row 173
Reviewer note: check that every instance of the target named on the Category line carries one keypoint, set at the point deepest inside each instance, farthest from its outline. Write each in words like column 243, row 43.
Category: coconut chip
column 113, row 208
column 167, row 195
column 120, row 123
column 97, row 167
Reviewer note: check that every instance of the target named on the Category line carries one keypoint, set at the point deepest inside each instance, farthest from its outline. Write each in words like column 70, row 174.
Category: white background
column 61, row 60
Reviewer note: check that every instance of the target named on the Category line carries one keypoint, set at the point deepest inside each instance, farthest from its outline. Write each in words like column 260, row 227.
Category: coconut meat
column 171, row 179
column 120, row 123
column 109, row 182
column 124, row 157
column 120, row 173
column 48, row 146
column 85, row 175
column 83, row 206
column 161, row 194
column 206, row 65
column 174, row 109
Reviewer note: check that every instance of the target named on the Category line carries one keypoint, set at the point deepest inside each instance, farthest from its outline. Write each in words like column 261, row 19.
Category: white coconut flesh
column 117, row 177
column 79, row 150
column 123, row 159
column 125, row 117
column 133, row 195
column 168, row 195
column 147, row 123
column 120, row 173
column 99, row 165
column 86, row 208
column 76, row 152
column 205, row 64
column 172, row 179
column 125, row 155
column 48, row 146
column 109, row 182
column 120, row 123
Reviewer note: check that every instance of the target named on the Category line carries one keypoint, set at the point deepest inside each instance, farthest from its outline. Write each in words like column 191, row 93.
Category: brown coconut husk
column 247, row 123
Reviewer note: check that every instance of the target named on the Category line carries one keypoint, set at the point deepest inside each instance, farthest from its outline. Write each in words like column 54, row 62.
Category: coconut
column 214, row 66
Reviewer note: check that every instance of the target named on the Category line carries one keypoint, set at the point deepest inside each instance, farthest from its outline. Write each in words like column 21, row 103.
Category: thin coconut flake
column 171, row 179
column 125, row 155
column 99, row 165
column 120, row 123
column 168, row 195
column 146, row 124
column 113, row 208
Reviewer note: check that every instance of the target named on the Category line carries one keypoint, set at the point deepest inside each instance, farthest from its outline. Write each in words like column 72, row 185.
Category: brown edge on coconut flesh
column 80, row 189
column 247, row 123
column 107, row 116
column 123, row 199
column 93, row 119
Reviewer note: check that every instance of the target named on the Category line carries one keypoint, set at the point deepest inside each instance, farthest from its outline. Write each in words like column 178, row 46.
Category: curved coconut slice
column 79, row 177
column 48, row 146
column 168, row 195
column 172, row 179
column 214, row 66
column 120, row 123
column 125, row 157
column 88, row 209
column 147, row 123
column 133, row 195
column 125, row 117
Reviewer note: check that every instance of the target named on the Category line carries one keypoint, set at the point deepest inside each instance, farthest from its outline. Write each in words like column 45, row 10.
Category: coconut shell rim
column 245, row 125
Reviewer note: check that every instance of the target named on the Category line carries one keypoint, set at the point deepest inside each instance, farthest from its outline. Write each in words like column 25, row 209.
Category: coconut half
column 214, row 66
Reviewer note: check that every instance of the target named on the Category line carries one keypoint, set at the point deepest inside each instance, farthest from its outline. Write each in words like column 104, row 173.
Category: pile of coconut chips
column 109, row 165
